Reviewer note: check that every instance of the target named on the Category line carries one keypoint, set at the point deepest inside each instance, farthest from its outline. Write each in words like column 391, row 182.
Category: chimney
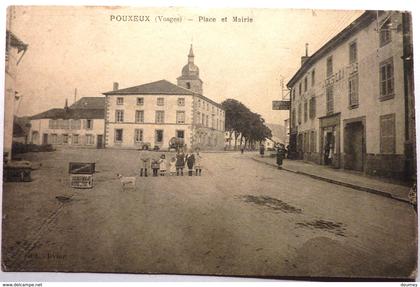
column 115, row 86
column 66, row 105
column 306, row 57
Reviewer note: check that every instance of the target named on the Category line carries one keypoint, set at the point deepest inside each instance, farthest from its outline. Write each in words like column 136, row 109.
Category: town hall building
column 152, row 114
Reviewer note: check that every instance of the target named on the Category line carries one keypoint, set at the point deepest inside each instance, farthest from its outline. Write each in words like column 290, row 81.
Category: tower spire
column 191, row 55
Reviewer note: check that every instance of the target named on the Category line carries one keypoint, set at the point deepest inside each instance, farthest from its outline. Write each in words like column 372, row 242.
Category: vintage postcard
column 236, row 142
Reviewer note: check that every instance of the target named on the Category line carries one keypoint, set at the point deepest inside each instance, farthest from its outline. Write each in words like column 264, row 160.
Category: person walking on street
column 242, row 149
column 280, row 156
column 190, row 163
column 180, row 162
column 262, row 148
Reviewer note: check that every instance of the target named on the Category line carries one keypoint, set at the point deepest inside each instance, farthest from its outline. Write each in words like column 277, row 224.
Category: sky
column 81, row 48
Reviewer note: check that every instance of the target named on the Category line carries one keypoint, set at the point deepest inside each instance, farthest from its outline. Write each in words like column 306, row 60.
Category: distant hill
column 278, row 131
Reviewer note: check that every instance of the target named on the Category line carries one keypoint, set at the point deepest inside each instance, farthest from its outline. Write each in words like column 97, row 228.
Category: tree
column 240, row 120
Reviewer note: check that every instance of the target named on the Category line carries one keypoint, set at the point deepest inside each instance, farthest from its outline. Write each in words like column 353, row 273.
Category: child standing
column 190, row 163
column 172, row 166
column 155, row 167
column 162, row 165
column 145, row 164
column 198, row 164
column 180, row 162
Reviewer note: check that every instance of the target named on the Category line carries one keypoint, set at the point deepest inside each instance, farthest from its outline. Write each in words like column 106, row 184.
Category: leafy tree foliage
column 241, row 121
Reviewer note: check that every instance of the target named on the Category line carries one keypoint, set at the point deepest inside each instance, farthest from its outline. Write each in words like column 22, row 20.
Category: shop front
column 330, row 140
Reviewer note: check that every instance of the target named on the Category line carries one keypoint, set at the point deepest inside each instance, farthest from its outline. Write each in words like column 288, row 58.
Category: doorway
column 44, row 139
column 354, row 146
column 99, row 141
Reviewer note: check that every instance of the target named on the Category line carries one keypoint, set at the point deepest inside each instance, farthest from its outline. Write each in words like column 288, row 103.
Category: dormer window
column 385, row 33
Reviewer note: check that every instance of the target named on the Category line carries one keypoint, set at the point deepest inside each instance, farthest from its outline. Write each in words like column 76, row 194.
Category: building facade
column 155, row 113
column 80, row 125
column 352, row 101
column 15, row 49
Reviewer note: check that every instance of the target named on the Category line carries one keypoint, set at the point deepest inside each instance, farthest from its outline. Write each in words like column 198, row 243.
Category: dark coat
column 180, row 160
column 190, row 160
column 280, row 156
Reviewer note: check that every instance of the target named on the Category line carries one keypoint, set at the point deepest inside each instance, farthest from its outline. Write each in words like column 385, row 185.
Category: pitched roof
column 362, row 21
column 89, row 103
column 14, row 41
column 162, row 87
column 71, row 114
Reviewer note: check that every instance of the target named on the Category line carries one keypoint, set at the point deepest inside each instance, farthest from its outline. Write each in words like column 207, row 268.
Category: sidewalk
column 341, row 177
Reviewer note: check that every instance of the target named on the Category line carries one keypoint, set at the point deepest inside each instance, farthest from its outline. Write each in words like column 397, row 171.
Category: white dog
column 129, row 181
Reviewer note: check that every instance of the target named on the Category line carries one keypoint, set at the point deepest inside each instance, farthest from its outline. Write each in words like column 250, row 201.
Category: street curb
column 350, row 185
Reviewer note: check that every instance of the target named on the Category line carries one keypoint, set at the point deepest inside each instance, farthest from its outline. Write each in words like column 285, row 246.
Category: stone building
column 80, row 125
column 352, row 101
column 152, row 114
column 15, row 49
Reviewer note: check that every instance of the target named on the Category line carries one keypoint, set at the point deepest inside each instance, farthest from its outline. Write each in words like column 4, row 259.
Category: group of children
column 176, row 164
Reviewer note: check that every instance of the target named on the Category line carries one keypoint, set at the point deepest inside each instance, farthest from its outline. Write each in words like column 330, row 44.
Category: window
column 300, row 89
column 75, row 124
column 386, row 72
column 203, row 119
column 75, row 139
column 159, row 136
column 208, row 106
column 53, row 124
column 160, row 117
column 330, row 99
column 305, row 84
column 54, row 139
column 213, row 123
column 387, row 134
column 138, row 135
column 160, row 101
column 188, row 85
column 300, row 114
column 329, row 66
column 65, row 138
column 118, row 135
column 353, row 52
column 181, row 101
column 180, row 117
column 65, row 124
column 119, row 116
column 354, row 91
column 89, row 124
column 139, row 117
column 305, row 111
column 385, row 33
column 140, row 101
column 207, row 121
column 89, row 139
column 199, row 103
column 313, row 78
column 312, row 107
column 120, row 101
column 198, row 117
column 180, row 134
